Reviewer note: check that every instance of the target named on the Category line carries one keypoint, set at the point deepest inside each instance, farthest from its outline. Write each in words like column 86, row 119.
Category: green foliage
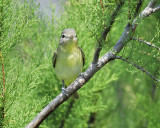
column 118, row 95
column 17, row 18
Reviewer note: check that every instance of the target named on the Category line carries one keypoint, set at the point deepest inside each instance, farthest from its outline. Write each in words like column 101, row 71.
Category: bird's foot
column 64, row 91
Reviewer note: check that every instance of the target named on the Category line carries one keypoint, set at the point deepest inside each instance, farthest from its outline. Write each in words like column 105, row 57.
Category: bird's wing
column 83, row 56
column 54, row 59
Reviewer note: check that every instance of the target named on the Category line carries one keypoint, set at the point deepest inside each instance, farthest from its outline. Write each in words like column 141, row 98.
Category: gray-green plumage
column 68, row 59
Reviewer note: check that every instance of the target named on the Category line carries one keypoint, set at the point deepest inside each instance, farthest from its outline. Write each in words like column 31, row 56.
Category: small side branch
column 102, row 6
column 139, row 67
column 138, row 7
column 146, row 42
column 105, row 32
column 2, row 112
column 150, row 9
column 156, row 8
column 3, row 87
column 2, row 108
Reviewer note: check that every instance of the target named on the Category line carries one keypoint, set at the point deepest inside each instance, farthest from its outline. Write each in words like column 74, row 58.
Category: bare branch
column 150, row 9
column 105, row 32
column 147, row 43
column 156, row 8
column 88, row 74
column 138, row 67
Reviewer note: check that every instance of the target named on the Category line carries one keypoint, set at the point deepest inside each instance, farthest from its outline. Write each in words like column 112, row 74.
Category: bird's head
column 68, row 36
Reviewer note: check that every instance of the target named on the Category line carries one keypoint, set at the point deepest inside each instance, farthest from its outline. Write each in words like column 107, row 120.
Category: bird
column 68, row 59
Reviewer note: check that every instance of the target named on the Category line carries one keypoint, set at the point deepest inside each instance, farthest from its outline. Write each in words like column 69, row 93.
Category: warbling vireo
column 68, row 59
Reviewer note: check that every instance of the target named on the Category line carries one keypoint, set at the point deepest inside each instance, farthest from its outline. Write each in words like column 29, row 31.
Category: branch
column 147, row 43
column 156, row 8
column 138, row 7
column 73, row 87
column 86, row 76
column 129, row 31
column 102, row 6
column 149, row 9
column 138, row 67
column 105, row 32
column 3, row 74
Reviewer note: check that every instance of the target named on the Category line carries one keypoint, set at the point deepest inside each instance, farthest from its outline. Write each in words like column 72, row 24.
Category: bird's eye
column 63, row 36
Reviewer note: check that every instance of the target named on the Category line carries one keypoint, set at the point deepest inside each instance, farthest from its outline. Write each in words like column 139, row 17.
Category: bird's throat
column 68, row 47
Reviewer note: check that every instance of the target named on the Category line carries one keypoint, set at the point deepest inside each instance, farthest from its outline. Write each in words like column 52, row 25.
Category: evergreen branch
column 1, row 30
column 88, row 74
column 105, row 32
column 139, row 67
column 2, row 112
column 138, row 7
column 129, row 11
column 147, row 43
column 1, row 17
column 2, row 107
column 102, row 7
column 128, row 32
column 135, row 14
column 3, row 88
column 72, row 88
column 154, row 84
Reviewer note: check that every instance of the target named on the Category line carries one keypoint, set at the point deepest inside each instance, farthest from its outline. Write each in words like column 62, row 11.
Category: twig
column 2, row 107
column 149, row 9
column 102, row 7
column 154, row 83
column 138, row 67
column 145, row 42
column 84, row 77
column 2, row 112
column 129, row 11
column 105, row 32
column 1, row 31
column 3, row 88
column 138, row 8
column 156, row 8
column 135, row 14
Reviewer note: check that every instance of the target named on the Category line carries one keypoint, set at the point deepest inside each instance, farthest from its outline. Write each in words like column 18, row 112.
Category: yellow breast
column 68, row 64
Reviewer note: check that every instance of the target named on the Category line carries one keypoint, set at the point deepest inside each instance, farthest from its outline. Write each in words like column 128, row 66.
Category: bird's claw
column 64, row 91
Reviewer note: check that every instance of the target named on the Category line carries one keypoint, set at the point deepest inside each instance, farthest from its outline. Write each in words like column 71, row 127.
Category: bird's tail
column 75, row 95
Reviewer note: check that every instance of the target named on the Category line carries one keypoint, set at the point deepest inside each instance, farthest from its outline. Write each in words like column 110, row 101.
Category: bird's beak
column 71, row 37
